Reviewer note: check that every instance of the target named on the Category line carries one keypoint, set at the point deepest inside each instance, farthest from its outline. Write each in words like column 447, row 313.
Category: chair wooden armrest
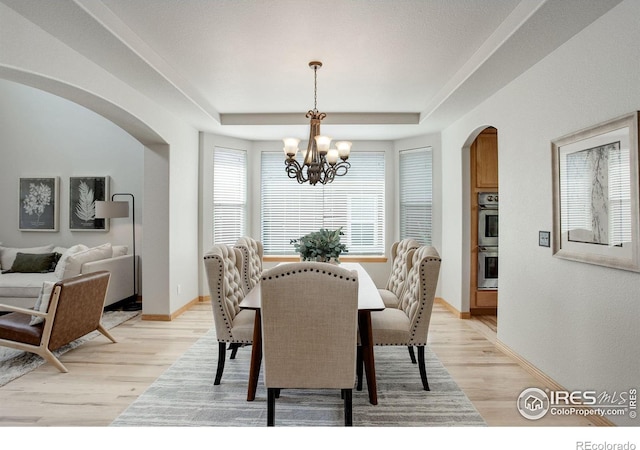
column 17, row 309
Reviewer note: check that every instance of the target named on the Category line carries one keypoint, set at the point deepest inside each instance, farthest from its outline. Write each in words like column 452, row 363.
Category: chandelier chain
column 315, row 88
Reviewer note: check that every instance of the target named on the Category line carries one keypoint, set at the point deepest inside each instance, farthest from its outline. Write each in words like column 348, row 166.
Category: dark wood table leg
column 366, row 341
column 256, row 357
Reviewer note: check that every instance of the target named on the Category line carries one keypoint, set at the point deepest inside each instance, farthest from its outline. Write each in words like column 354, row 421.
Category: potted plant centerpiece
column 323, row 246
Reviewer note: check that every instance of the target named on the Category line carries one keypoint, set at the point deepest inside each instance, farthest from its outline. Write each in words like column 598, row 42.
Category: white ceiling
column 391, row 68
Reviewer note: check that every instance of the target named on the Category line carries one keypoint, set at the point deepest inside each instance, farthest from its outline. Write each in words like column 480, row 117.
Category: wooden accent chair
column 401, row 253
column 408, row 325
column 223, row 266
column 252, row 252
column 309, row 330
column 75, row 309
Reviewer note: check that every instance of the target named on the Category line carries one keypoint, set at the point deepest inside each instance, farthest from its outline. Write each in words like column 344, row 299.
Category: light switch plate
column 544, row 239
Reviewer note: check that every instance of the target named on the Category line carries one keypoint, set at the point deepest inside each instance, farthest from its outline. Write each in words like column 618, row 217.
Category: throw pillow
column 42, row 304
column 54, row 263
column 33, row 262
column 75, row 262
column 60, row 250
column 120, row 250
column 62, row 263
column 8, row 254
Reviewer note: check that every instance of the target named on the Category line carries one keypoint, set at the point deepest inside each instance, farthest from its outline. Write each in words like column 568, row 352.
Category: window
column 354, row 202
column 416, row 195
column 229, row 195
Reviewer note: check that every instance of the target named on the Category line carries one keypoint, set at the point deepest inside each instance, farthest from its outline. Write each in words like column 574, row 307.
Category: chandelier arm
column 294, row 170
column 341, row 168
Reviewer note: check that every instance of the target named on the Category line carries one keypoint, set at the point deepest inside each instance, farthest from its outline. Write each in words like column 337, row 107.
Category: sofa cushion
column 23, row 285
column 120, row 250
column 75, row 261
column 34, row 262
column 8, row 254
column 62, row 263
column 42, row 304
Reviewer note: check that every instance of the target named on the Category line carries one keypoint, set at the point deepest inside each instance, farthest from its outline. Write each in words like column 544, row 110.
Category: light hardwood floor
column 105, row 378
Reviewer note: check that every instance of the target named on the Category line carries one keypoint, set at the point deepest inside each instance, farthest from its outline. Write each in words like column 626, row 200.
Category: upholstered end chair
column 401, row 253
column 223, row 267
column 309, row 334
column 75, row 309
column 408, row 325
column 252, row 252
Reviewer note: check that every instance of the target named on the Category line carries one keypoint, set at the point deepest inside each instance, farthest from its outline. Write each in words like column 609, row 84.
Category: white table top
column 368, row 296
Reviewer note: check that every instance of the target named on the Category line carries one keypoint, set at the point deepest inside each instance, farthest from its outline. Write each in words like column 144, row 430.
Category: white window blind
column 229, row 195
column 354, row 202
column 416, row 195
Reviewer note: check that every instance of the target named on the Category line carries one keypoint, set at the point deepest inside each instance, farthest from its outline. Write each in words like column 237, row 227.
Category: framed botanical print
column 595, row 195
column 38, row 204
column 83, row 194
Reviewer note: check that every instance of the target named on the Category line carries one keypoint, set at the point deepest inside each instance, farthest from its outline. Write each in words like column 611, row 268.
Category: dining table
column 369, row 300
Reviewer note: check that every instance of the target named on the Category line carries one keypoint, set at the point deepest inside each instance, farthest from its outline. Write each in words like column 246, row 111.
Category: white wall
column 32, row 57
column 576, row 322
column 45, row 135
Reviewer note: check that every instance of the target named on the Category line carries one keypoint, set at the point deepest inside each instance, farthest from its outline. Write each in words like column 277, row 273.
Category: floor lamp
column 114, row 210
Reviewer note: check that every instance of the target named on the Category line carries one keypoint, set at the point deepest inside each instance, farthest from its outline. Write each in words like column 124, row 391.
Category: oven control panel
column 488, row 199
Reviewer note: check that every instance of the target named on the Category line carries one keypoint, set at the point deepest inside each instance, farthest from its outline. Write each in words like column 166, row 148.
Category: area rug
column 184, row 396
column 15, row 363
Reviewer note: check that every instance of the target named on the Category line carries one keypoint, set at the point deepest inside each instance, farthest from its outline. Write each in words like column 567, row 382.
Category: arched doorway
column 483, row 223
column 132, row 182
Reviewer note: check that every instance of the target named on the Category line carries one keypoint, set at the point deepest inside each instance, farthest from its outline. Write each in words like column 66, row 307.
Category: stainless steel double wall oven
column 487, row 240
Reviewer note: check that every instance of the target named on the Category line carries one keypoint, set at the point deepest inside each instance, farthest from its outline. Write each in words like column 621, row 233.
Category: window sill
column 358, row 259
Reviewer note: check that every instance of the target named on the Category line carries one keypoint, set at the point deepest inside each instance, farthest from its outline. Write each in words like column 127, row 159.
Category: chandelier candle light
column 320, row 163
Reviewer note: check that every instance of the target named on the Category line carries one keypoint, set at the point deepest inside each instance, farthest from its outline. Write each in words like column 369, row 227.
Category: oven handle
column 488, row 207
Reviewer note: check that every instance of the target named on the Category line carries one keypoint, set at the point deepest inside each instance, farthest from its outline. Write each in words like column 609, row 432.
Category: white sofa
column 22, row 289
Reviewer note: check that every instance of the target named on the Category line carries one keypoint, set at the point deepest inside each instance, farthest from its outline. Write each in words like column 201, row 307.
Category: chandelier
column 320, row 163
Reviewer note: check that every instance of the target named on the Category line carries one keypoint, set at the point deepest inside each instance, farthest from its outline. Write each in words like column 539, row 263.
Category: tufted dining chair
column 408, row 325
column 223, row 267
column 401, row 252
column 401, row 257
column 252, row 251
column 309, row 335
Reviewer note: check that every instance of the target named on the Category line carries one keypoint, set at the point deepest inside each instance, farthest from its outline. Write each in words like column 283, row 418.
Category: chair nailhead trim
column 293, row 272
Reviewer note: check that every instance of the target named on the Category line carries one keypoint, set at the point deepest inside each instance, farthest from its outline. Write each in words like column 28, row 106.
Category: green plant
column 323, row 245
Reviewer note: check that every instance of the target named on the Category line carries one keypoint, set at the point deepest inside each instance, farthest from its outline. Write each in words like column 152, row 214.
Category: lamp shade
column 111, row 210
column 291, row 146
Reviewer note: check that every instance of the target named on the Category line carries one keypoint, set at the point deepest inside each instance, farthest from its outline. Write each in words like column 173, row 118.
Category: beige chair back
column 223, row 267
column 309, row 326
column 401, row 264
column 419, row 293
column 252, row 252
